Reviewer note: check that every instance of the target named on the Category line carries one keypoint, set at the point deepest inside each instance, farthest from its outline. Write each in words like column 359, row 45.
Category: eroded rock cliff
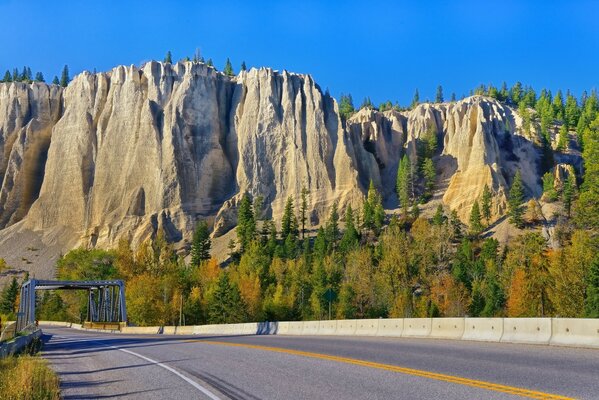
column 127, row 153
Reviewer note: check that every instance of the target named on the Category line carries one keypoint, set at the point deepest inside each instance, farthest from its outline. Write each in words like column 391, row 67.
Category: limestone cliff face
column 124, row 154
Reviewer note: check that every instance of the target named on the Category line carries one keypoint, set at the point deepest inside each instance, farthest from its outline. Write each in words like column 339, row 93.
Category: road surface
column 95, row 365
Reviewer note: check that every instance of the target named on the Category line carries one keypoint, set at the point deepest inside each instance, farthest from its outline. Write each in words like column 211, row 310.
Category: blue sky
column 380, row 49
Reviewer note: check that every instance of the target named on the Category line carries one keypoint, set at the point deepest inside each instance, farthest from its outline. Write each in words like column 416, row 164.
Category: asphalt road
column 95, row 365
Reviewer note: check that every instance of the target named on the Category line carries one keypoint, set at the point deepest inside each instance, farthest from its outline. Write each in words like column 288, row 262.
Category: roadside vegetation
column 28, row 377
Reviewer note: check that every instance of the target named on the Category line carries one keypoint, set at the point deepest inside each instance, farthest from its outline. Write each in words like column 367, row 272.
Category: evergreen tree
column 332, row 229
column 246, row 223
column 289, row 223
column 439, row 95
column 225, row 304
column 346, row 106
column 568, row 193
column 504, row 94
column 350, row 237
column 439, row 217
column 8, row 299
column 210, row 63
column 558, row 106
column 402, row 185
column 415, row 99
column 243, row 66
column 197, row 56
column 7, row 77
column 64, row 78
column 430, row 174
column 228, row 68
column 304, row 210
column 200, row 245
column 571, row 111
column 562, row 140
column 168, row 58
column 39, row 77
column 55, row 81
column 516, row 93
column 516, row 197
column 16, row 77
column 476, row 226
column 453, row 97
column 486, row 204
column 549, row 192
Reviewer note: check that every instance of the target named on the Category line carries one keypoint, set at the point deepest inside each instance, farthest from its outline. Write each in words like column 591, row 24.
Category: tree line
column 26, row 76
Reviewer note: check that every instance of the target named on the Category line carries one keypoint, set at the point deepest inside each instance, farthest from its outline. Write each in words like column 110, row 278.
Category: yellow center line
column 394, row 368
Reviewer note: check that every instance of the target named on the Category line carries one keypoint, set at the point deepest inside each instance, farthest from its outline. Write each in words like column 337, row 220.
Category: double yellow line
column 393, row 368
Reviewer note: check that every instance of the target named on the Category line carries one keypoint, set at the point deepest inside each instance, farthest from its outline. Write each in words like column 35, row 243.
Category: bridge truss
column 106, row 299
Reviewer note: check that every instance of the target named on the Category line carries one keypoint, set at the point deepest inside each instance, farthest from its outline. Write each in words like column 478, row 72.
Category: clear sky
column 380, row 49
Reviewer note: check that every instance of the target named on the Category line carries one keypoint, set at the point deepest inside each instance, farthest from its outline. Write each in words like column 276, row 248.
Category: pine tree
column 430, row 174
column 346, row 106
column 368, row 207
column 439, row 95
column 415, row 99
column 453, row 97
column 516, row 197
column 562, row 140
column 210, row 63
column 439, row 217
column 7, row 77
column 558, row 106
column 246, row 223
column 332, row 229
column 572, row 113
column 168, row 58
column 402, row 185
column 475, row 225
column 243, row 66
column 8, row 299
column 39, row 77
column 16, row 77
column 64, row 78
column 197, row 56
column 289, row 222
column 486, row 204
column 350, row 237
column 304, row 210
column 228, row 68
column 225, row 304
column 568, row 193
column 200, row 245
column 55, row 81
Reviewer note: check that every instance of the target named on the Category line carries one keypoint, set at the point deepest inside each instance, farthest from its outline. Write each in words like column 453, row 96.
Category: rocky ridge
column 127, row 153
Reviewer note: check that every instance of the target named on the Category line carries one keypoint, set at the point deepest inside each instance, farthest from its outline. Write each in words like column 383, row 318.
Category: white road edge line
column 158, row 363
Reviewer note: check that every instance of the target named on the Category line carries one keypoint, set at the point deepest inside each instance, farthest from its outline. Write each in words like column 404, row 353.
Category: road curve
column 94, row 365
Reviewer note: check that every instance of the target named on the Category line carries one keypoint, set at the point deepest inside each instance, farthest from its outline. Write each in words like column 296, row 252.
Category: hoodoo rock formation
column 130, row 152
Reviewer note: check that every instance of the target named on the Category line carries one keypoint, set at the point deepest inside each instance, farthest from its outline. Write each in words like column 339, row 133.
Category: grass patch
column 29, row 378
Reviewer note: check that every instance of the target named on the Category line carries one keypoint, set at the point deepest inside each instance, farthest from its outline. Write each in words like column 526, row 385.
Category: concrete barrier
column 310, row 328
column 416, row 327
column 267, row 328
column 327, row 327
column 283, row 328
column 390, row 327
column 295, row 328
column 184, row 330
column 575, row 332
column 447, row 328
column 483, row 329
column 526, row 330
column 367, row 327
column 346, row 327
column 140, row 330
column 19, row 343
column 56, row 323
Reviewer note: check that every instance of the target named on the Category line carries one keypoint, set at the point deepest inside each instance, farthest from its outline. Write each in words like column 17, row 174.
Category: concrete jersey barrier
column 390, row 327
column 483, row 329
column 447, row 328
column 550, row 331
column 526, row 330
column 416, row 327
column 575, row 332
